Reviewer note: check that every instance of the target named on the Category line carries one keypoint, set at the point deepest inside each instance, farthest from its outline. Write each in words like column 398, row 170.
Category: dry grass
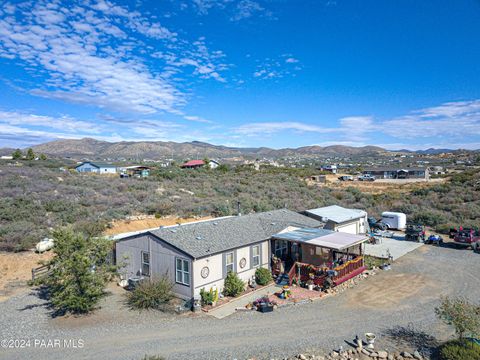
column 15, row 271
column 123, row 226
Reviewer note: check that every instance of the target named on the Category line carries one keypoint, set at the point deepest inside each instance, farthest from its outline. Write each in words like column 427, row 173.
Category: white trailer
column 394, row 220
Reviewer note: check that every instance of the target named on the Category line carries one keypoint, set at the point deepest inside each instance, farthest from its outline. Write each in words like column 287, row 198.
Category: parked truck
column 468, row 237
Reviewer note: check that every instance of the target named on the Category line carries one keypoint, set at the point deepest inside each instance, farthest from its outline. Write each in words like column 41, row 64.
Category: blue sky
column 276, row 73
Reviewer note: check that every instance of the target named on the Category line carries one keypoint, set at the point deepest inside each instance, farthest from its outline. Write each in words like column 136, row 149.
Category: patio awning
column 321, row 237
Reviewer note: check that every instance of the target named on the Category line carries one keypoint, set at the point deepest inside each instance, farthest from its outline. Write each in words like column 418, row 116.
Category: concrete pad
column 397, row 246
column 230, row 307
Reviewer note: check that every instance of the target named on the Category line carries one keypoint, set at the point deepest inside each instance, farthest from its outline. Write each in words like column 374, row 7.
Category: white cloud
column 88, row 53
column 262, row 128
column 279, row 67
column 197, row 119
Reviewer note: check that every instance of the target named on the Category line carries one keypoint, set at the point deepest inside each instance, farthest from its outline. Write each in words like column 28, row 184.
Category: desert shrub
column 371, row 262
column 233, row 285
column 459, row 350
column 263, row 276
column 151, row 294
column 460, row 313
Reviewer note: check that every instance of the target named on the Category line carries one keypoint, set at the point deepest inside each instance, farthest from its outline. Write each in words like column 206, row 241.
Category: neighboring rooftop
column 322, row 237
column 336, row 213
column 97, row 164
column 394, row 168
column 193, row 163
column 218, row 235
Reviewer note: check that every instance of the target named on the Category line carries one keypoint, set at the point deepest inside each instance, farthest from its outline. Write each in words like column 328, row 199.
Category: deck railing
column 302, row 271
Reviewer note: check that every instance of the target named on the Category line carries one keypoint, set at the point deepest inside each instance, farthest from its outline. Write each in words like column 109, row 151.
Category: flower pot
column 264, row 308
column 310, row 287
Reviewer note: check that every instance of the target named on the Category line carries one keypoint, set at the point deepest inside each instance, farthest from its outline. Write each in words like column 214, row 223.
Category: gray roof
column 218, row 235
column 336, row 213
column 98, row 164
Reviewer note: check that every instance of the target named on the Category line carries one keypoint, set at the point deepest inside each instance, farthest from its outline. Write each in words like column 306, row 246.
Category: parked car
column 415, row 232
column 468, row 237
column 345, row 178
column 366, row 177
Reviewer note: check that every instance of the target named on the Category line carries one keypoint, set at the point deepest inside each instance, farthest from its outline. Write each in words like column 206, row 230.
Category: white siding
column 215, row 264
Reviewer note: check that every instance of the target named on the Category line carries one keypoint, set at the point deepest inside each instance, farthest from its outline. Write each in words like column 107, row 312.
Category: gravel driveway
column 397, row 305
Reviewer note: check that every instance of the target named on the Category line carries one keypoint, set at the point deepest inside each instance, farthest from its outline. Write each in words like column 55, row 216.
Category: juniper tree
column 79, row 271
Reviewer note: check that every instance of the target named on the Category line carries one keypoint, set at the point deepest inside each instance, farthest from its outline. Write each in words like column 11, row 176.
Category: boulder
column 407, row 355
column 382, row 354
column 417, row 355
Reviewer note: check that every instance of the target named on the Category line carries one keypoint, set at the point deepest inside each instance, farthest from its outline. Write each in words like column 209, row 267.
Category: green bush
column 263, row 276
column 209, row 297
column 460, row 350
column 153, row 294
column 233, row 286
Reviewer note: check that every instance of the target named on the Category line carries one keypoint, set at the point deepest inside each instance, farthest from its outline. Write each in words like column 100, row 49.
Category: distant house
column 135, row 171
column 330, row 168
column 193, row 164
column 341, row 219
column 96, row 167
column 396, row 173
column 213, row 164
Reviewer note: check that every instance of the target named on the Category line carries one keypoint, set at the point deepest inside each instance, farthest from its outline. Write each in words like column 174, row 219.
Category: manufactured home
column 199, row 255
column 96, row 167
column 396, row 173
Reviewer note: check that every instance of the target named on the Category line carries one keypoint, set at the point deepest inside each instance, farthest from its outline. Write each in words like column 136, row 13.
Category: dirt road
column 397, row 305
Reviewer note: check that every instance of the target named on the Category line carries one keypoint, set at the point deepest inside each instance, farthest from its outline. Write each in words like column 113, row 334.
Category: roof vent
column 198, row 237
column 173, row 231
column 273, row 223
column 215, row 223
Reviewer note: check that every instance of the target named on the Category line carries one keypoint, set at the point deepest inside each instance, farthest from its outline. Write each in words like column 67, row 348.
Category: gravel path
column 391, row 304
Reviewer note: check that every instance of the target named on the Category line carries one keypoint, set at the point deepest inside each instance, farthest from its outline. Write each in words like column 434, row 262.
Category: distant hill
column 88, row 148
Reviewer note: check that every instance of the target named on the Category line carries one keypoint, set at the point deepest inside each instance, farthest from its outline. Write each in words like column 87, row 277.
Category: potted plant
column 310, row 284
column 264, row 304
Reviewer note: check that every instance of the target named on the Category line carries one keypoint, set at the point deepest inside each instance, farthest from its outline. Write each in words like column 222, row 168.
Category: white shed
column 337, row 218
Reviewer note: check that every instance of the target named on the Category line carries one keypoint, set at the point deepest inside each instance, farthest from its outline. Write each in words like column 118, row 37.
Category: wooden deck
column 303, row 272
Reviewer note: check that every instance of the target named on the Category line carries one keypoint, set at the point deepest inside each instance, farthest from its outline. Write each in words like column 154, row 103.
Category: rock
column 334, row 354
column 417, row 355
column 366, row 352
column 302, row 357
column 382, row 354
column 373, row 354
column 407, row 355
column 390, row 357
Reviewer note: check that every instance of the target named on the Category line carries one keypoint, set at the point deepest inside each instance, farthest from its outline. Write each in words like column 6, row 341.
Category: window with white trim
column 256, row 255
column 229, row 262
column 183, row 271
column 280, row 248
column 145, row 263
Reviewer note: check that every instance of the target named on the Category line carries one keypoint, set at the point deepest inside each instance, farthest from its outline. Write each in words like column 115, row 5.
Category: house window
column 280, row 248
column 145, row 263
column 256, row 255
column 229, row 262
column 183, row 272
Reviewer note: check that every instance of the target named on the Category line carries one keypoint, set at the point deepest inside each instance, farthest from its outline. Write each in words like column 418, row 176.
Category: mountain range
column 93, row 149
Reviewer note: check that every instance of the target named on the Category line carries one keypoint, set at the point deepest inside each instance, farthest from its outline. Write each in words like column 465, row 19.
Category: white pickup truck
column 366, row 177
